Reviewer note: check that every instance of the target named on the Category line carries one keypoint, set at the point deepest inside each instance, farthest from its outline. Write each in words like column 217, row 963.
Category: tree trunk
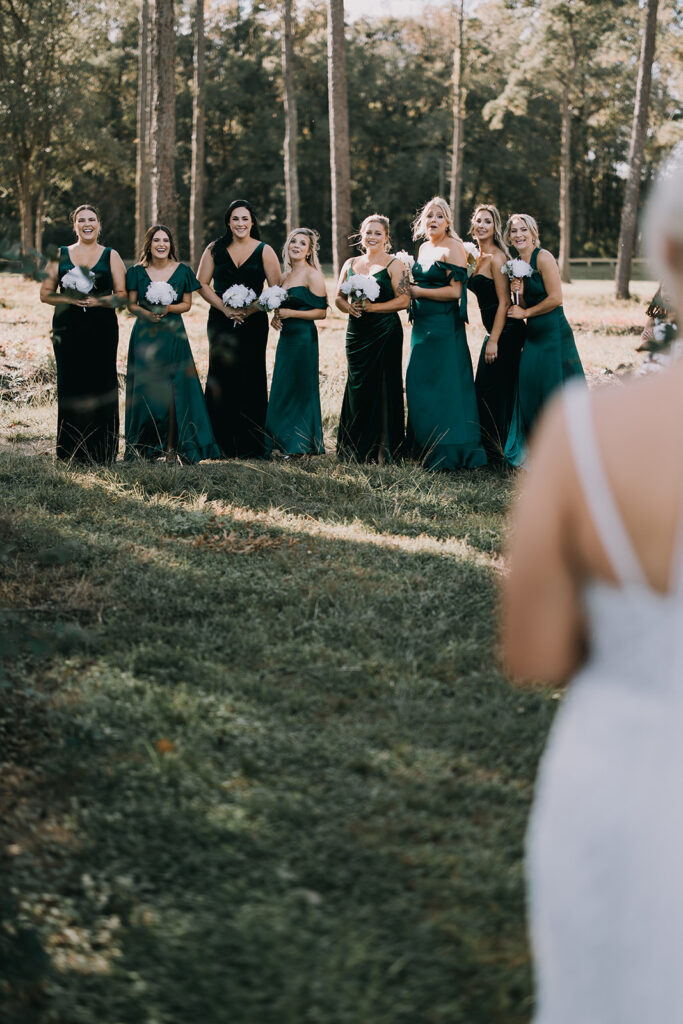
column 291, row 124
column 197, row 174
column 339, row 133
column 629, row 212
column 565, row 187
column 40, row 211
column 142, row 169
column 26, row 214
column 163, row 116
column 458, row 116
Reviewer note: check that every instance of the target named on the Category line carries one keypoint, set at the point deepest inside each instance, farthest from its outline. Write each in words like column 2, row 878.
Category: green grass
column 261, row 766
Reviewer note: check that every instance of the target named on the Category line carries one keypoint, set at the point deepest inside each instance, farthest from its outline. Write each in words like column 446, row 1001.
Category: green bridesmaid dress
column 293, row 421
column 371, row 421
column 549, row 358
column 161, row 374
column 443, row 422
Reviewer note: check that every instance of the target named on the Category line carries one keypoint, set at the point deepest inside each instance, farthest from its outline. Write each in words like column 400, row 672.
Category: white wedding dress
column 605, row 840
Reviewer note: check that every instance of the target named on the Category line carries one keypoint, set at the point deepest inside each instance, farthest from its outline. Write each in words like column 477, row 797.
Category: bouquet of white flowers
column 664, row 332
column 77, row 283
column 238, row 296
column 360, row 287
column 159, row 296
column 272, row 298
column 406, row 259
column 472, row 251
column 516, row 269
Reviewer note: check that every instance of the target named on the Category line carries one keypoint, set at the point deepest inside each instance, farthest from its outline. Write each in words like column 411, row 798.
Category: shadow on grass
column 298, row 782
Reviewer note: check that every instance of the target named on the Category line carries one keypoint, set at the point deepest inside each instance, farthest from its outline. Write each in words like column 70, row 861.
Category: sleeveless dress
column 85, row 343
column 294, row 421
column 371, row 421
column 443, row 422
column 161, row 374
column 496, row 383
column 236, row 385
column 548, row 360
column 605, row 840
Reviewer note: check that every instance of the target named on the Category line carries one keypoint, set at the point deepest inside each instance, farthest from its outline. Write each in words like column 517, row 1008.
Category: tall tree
column 458, row 111
column 291, row 120
column 339, row 133
column 197, row 172
column 143, row 166
column 163, row 132
column 629, row 211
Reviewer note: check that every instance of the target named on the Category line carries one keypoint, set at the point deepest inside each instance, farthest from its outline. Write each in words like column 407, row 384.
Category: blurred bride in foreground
column 595, row 592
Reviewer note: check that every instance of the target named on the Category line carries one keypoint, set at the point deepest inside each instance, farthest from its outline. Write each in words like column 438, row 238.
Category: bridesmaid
column 294, row 421
column 236, row 388
column 165, row 409
column 85, row 334
column 371, row 422
column 496, row 379
column 443, row 423
column 549, row 357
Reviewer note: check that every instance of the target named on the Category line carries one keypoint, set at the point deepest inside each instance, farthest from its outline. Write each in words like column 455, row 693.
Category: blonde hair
column 497, row 225
column 663, row 217
column 525, row 218
column 380, row 219
column 313, row 246
column 420, row 223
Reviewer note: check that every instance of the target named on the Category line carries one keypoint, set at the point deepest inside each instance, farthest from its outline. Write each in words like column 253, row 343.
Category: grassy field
column 259, row 764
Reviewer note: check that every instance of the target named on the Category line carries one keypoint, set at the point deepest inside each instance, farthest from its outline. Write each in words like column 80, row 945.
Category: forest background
column 69, row 92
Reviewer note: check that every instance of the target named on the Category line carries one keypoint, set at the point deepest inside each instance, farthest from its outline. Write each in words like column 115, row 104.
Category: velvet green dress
column 549, row 359
column 495, row 383
column 85, row 343
column 294, row 421
column 371, row 424
column 161, row 373
column 443, row 422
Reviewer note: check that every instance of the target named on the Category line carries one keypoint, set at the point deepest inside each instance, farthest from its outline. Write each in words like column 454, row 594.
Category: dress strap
column 602, row 506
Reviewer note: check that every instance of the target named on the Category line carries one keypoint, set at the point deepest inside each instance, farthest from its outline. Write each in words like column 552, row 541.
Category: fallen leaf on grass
column 165, row 746
column 238, row 545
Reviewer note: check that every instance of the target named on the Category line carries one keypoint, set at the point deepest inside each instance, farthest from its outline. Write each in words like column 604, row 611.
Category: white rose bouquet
column 159, row 296
column 238, row 296
column 406, row 259
column 360, row 288
column 472, row 251
column 516, row 269
column 77, row 283
column 272, row 298
column 664, row 332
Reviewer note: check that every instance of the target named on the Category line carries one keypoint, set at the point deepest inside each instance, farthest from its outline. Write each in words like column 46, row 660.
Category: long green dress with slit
column 495, row 383
column 165, row 406
column 371, row 425
column 294, row 421
column 443, row 422
column 85, row 343
column 549, row 358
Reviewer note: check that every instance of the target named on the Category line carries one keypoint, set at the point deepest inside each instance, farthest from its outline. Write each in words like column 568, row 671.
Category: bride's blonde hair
column 313, row 246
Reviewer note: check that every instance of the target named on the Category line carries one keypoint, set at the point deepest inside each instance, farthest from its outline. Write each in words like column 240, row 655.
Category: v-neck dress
column 236, row 386
column 85, row 343
column 162, row 376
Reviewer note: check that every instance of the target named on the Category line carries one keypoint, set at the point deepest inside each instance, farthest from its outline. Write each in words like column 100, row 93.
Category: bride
column 595, row 593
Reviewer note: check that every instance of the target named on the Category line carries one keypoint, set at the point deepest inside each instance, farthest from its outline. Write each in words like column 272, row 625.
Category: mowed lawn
column 259, row 763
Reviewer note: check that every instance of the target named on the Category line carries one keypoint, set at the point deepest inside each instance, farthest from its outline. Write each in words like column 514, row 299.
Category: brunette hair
column 313, row 246
column 255, row 232
column 525, row 218
column 420, row 223
column 381, row 219
column 85, row 206
column 145, row 256
column 497, row 225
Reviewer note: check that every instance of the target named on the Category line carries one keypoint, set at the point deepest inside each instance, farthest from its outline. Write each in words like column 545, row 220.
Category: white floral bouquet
column 360, row 288
column 664, row 332
column 272, row 298
column 77, row 283
column 159, row 296
column 472, row 251
column 406, row 259
column 516, row 269
column 238, row 296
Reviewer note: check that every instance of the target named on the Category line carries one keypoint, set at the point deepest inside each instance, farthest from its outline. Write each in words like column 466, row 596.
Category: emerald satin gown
column 85, row 343
column 548, row 360
column 371, row 423
column 293, row 421
column 495, row 383
column 236, row 385
column 161, row 373
column 443, row 422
